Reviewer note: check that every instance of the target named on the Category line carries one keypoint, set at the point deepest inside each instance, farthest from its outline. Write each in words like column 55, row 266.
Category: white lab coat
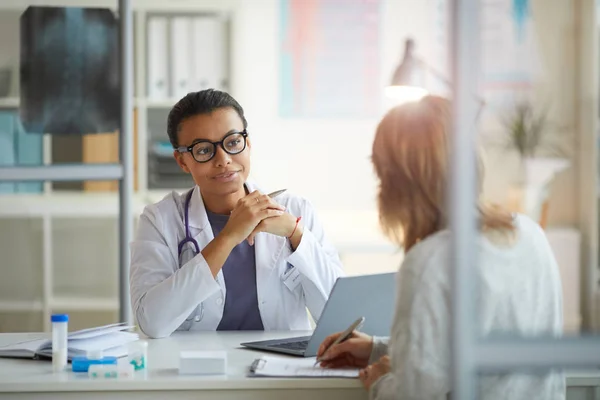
column 171, row 293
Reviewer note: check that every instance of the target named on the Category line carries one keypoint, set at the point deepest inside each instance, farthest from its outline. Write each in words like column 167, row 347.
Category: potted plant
column 542, row 154
column 535, row 140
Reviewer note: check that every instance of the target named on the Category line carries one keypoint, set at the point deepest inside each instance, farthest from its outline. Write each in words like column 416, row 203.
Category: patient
column 515, row 271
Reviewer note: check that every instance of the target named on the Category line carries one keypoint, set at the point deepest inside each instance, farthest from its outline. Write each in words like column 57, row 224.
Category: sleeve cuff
column 161, row 311
column 380, row 349
column 302, row 256
column 199, row 267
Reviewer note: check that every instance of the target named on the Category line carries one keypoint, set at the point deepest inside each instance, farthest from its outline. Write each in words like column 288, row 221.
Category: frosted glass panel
column 88, row 319
column 85, row 256
column 21, row 321
column 362, row 263
column 22, row 256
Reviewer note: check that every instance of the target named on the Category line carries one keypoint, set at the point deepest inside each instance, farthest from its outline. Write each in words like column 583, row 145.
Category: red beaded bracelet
column 296, row 227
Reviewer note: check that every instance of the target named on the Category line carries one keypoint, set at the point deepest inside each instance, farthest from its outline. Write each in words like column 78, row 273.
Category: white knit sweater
column 519, row 293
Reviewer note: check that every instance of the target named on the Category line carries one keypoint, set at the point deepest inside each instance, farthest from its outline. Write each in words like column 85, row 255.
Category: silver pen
column 344, row 336
column 276, row 193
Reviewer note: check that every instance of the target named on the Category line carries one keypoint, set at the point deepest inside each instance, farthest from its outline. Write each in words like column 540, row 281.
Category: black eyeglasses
column 204, row 150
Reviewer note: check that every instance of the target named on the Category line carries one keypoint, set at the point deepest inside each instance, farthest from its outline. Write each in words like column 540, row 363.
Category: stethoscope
column 186, row 216
column 189, row 239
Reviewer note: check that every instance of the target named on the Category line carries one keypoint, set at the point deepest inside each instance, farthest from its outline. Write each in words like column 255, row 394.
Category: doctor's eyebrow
column 206, row 140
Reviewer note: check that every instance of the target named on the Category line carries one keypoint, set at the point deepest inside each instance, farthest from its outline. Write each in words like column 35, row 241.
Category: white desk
column 28, row 379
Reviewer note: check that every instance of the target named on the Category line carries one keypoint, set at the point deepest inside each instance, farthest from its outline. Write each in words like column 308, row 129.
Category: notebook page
column 23, row 349
column 119, row 351
column 299, row 368
column 105, row 341
column 98, row 331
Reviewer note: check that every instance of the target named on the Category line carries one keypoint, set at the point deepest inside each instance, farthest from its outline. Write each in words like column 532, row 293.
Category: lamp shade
column 407, row 81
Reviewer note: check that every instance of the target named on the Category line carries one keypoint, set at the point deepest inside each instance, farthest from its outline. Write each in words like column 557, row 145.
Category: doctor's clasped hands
column 257, row 213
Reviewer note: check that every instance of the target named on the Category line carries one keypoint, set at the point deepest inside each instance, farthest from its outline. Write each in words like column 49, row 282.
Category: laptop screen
column 369, row 296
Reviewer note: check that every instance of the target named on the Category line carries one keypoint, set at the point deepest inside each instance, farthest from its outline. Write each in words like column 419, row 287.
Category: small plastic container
column 60, row 331
column 138, row 354
column 93, row 357
column 110, row 371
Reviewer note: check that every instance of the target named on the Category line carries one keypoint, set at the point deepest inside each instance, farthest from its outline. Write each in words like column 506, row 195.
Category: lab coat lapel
column 197, row 212
column 200, row 228
column 268, row 247
column 267, row 250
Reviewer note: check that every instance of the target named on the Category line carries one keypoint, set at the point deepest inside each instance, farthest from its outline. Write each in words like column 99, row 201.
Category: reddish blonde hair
column 410, row 156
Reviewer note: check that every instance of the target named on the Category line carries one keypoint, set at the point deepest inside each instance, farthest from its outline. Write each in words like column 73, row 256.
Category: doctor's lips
column 226, row 176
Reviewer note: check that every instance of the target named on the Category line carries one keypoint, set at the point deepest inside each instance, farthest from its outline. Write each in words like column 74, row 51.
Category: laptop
column 370, row 296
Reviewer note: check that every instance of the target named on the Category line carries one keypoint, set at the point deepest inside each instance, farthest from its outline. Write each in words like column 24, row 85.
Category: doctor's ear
column 180, row 161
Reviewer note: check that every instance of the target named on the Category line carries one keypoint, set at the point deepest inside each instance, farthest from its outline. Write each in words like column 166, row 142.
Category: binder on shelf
column 158, row 73
column 7, row 148
column 208, row 55
column 30, row 151
column 101, row 148
column 17, row 147
column 104, row 148
column 181, row 54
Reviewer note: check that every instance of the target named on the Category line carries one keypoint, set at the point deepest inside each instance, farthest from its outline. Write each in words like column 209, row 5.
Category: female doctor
column 223, row 255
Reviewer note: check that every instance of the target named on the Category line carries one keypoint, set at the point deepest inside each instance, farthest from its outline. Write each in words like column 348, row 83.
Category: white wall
column 327, row 161
column 555, row 85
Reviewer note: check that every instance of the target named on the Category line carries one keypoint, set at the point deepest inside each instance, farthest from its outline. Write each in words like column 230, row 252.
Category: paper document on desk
column 296, row 368
column 110, row 339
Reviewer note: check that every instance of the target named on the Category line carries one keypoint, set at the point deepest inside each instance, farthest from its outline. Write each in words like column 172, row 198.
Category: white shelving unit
column 63, row 225
column 31, row 285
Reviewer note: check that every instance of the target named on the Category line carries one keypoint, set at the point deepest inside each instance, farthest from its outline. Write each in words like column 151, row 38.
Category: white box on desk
column 202, row 362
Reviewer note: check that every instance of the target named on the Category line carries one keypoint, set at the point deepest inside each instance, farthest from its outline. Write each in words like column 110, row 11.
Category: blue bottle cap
column 60, row 318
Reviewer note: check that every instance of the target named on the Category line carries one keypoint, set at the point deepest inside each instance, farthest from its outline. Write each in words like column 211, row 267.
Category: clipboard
column 278, row 367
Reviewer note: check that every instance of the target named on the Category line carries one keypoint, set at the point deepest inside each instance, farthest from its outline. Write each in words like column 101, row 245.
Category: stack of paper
column 297, row 368
column 110, row 339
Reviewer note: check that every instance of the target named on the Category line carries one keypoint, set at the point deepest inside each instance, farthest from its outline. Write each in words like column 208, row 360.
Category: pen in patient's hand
column 345, row 335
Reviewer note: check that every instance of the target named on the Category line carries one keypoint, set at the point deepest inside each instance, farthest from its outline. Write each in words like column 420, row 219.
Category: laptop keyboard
column 301, row 345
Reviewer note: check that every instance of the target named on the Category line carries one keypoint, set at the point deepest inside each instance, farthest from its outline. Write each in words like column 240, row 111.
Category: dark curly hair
column 202, row 102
